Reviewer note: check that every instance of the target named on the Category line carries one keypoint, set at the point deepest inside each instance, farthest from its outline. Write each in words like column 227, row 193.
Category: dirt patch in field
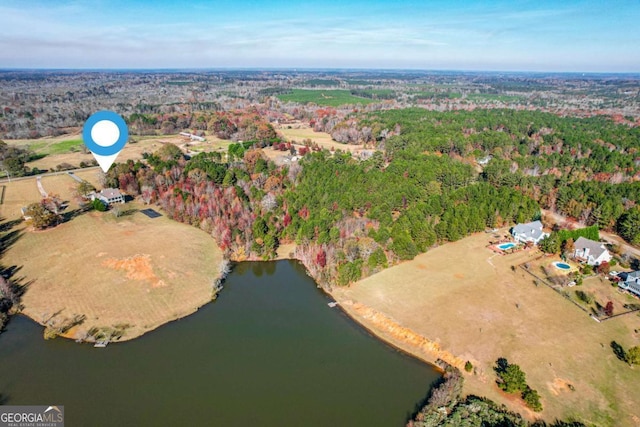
column 559, row 386
column 137, row 267
column 129, row 270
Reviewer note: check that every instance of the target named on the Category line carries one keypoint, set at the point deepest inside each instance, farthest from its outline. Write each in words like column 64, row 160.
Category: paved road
column 40, row 187
column 22, row 178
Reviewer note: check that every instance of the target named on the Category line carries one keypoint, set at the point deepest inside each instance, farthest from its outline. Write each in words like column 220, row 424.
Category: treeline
column 559, row 239
column 350, row 218
column 237, row 125
column 370, row 213
column 447, row 408
column 534, row 142
column 235, row 202
column 583, row 168
column 13, row 160
column 608, row 206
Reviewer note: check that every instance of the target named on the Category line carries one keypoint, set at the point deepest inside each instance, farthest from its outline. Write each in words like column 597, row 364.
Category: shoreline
column 383, row 326
column 397, row 336
column 71, row 333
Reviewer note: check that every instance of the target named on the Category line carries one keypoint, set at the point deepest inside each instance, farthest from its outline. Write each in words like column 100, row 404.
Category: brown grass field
column 131, row 151
column 129, row 270
column 467, row 301
column 300, row 132
column 18, row 194
column 603, row 291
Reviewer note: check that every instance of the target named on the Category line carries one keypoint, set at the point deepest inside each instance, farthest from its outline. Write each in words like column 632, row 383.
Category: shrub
column 608, row 309
column 584, row 297
column 50, row 333
column 510, row 377
column 468, row 366
column 633, row 355
column 619, row 351
column 532, row 399
column 98, row 205
column 349, row 272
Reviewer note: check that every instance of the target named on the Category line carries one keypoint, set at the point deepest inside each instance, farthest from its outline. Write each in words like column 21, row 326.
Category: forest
column 351, row 218
column 584, row 168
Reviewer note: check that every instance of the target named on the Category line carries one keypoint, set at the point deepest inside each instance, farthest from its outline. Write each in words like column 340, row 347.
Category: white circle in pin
column 105, row 133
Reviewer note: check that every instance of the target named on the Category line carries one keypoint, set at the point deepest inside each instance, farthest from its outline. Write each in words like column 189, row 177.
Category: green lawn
column 322, row 82
column 332, row 98
column 437, row 95
column 65, row 146
column 48, row 147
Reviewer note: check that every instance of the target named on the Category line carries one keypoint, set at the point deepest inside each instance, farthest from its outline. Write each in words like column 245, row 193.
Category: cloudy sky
column 518, row 35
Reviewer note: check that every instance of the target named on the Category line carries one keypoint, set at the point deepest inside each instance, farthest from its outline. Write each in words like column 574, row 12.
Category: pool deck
column 495, row 247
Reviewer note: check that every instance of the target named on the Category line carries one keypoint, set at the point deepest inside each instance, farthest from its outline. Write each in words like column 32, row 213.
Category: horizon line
column 310, row 69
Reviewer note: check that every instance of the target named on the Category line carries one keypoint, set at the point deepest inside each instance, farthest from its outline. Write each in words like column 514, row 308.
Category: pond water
column 269, row 352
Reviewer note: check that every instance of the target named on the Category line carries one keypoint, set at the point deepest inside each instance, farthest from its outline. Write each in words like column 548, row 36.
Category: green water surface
column 268, row 352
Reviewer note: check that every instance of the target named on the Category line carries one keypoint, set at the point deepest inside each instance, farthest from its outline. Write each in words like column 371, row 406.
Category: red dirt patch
column 137, row 267
column 559, row 385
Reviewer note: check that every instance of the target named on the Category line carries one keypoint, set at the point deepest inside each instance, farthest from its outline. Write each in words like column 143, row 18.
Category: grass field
column 130, row 270
column 331, row 98
column 603, row 291
column 436, row 95
column 479, row 309
column 69, row 148
column 322, row 82
column 18, row 194
column 324, row 140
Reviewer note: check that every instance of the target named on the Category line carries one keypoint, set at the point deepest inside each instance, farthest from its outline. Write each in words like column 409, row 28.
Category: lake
column 268, row 352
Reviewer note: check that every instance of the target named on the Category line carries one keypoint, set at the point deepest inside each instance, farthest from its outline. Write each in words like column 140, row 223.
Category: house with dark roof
column 593, row 253
column 529, row 232
column 631, row 283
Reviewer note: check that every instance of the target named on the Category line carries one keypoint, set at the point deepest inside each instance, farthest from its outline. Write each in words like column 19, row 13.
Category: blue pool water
column 505, row 246
column 562, row 265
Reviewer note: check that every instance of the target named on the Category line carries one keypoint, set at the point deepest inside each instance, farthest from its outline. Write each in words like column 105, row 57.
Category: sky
column 516, row 35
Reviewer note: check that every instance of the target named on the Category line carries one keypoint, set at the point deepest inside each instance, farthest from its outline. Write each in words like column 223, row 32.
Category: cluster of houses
column 585, row 250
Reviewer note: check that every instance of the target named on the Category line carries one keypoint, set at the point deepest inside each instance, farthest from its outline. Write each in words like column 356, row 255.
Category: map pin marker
column 105, row 134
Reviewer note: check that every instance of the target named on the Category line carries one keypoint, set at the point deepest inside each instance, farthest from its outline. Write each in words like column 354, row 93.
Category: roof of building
column 634, row 275
column 596, row 249
column 111, row 193
column 531, row 229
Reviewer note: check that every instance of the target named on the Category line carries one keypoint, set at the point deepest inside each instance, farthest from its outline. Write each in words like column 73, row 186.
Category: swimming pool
column 561, row 265
column 505, row 246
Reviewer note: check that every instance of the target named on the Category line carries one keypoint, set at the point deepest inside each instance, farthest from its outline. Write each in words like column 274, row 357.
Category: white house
column 192, row 136
column 530, row 232
column 593, row 253
column 109, row 196
column 632, row 283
